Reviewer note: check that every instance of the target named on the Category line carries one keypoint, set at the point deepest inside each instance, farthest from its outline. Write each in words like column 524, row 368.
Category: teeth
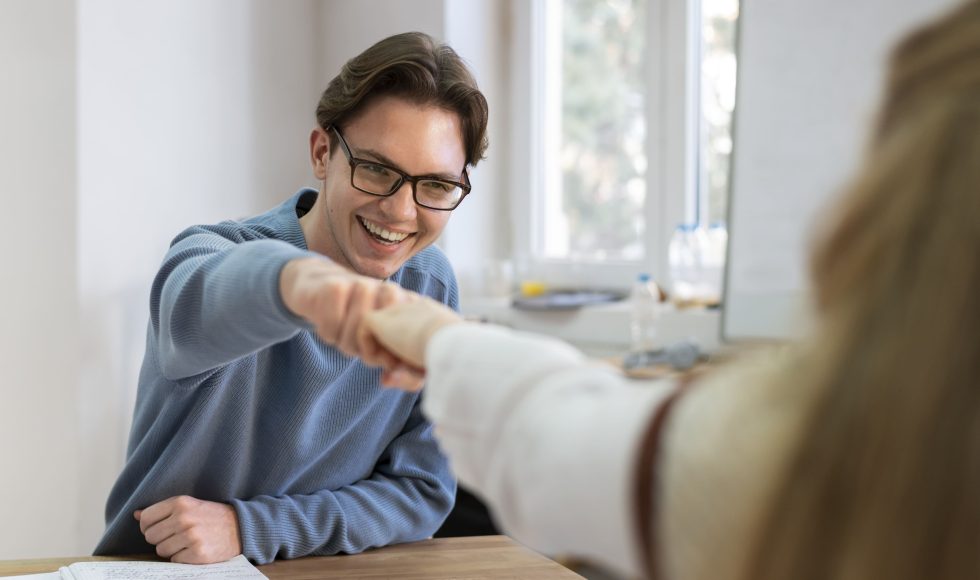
column 383, row 233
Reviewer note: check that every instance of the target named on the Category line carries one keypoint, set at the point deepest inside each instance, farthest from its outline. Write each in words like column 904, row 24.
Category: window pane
column 596, row 211
column 718, row 71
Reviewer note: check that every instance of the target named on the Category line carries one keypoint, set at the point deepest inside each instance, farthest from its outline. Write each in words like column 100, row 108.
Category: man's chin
column 382, row 265
column 381, row 271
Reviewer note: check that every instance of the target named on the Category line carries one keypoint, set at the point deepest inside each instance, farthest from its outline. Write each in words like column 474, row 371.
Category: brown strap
column 647, row 488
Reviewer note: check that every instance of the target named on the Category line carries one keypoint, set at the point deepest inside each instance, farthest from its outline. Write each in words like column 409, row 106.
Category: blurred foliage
column 718, row 77
column 603, row 154
column 603, row 141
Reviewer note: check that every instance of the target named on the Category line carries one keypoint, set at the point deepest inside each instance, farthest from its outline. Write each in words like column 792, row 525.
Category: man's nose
column 401, row 204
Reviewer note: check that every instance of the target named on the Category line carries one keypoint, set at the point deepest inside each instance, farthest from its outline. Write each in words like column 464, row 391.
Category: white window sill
column 598, row 330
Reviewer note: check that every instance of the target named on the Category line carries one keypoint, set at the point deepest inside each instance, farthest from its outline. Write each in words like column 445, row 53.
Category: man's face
column 375, row 236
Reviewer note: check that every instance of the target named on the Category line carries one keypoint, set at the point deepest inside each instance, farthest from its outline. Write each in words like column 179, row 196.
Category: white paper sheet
column 238, row 568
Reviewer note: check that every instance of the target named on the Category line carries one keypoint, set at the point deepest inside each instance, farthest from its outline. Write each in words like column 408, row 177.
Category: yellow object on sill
column 533, row 288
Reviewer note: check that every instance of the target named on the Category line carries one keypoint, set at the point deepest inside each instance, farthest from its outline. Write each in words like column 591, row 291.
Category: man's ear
column 319, row 152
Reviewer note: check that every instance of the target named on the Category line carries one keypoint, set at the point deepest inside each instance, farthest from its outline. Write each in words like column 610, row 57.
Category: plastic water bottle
column 645, row 305
column 713, row 262
column 683, row 260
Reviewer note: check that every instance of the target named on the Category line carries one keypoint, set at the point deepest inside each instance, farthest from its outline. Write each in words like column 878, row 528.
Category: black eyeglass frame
column 403, row 177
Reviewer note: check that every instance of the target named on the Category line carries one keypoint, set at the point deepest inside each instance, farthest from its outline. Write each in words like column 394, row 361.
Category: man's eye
column 437, row 186
column 377, row 170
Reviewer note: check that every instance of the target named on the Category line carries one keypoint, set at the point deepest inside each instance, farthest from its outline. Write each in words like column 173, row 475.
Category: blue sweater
column 239, row 402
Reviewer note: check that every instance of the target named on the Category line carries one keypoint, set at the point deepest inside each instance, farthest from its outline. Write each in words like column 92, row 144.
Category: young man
column 260, row 426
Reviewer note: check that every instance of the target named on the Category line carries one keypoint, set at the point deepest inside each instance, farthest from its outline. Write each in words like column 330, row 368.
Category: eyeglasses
column 384, row 180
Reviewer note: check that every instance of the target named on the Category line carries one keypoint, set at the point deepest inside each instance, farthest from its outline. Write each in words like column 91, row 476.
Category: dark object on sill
column 566, row 299
column 680, row 356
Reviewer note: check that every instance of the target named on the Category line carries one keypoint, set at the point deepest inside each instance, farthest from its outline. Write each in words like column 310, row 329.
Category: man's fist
column 405, row 330
column 335, row 300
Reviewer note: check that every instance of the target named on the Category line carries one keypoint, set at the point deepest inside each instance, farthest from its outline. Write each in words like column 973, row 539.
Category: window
column 593, row 205
column 628, row 109
column 718, row 73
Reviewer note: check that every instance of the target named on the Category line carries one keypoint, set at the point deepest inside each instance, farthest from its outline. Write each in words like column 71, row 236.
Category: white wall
column 347, row 28
column 479, row 233
column 189, row 112
column 39, row 329
column 806, row 102
column 175, row 113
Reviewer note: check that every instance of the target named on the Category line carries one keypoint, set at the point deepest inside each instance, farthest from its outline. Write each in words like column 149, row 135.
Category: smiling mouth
column 381, row 234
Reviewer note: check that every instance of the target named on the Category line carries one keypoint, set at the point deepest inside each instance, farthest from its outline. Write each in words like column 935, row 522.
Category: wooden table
column 440, row 558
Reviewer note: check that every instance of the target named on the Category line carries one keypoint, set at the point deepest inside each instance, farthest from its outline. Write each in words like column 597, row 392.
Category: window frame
column 672, row 141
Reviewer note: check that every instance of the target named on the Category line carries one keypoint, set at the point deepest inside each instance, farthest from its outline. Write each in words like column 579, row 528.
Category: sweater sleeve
column 727, row 437
column 548, row 438
column 407, row 497
column 216, row 299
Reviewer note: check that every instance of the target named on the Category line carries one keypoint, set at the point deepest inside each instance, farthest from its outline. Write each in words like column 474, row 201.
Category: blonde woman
column 856, row 456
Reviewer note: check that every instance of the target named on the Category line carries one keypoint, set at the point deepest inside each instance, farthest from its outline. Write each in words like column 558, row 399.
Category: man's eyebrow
column 387, row 161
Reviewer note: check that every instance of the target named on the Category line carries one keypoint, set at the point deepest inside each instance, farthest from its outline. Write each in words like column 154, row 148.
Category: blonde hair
column 885, row 479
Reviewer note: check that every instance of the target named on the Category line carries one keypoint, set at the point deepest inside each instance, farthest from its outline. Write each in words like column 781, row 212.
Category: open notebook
column 238, row 568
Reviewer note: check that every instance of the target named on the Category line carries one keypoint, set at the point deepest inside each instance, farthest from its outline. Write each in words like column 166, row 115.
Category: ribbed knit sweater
column 239, row 402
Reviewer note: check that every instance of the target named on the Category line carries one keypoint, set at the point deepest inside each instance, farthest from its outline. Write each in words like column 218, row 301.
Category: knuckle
column 334, row 292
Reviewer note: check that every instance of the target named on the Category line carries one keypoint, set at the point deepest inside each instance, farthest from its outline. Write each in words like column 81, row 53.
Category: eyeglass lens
column 381, row 180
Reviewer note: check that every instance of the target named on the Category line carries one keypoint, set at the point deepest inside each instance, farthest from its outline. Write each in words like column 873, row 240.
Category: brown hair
column 414, row 67
column 884, row 481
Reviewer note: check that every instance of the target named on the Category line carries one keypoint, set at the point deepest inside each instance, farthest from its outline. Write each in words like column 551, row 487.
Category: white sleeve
column 548, row 438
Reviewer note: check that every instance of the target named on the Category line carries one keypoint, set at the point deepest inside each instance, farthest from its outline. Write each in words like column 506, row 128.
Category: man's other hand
column 187, row 530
